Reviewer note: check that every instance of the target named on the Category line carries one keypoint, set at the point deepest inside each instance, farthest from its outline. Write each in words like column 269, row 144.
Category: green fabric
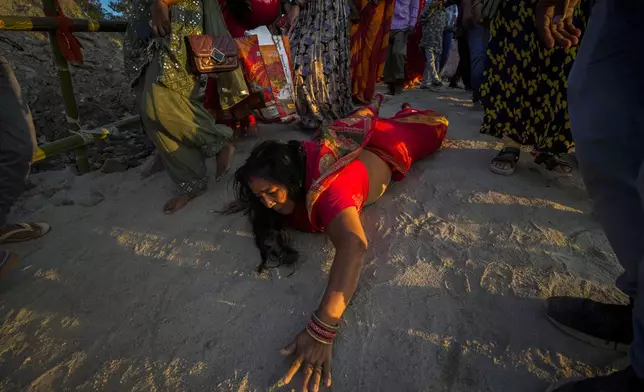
column 187, row 17
column 231, row 85
column 182, row 130
column 396, row 57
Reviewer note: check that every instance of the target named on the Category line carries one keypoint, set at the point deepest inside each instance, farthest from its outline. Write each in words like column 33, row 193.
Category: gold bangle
column 325, row 325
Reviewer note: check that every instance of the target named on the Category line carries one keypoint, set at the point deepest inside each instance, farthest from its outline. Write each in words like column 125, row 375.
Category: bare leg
column 223, row 160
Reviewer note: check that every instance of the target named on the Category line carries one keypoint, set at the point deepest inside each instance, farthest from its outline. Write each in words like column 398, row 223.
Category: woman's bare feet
column 178, row 202
column 223, row 160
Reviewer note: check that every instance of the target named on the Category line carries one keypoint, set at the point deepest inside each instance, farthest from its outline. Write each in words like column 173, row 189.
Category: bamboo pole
column 44, row 23
column 67, row 89
column 74, row 142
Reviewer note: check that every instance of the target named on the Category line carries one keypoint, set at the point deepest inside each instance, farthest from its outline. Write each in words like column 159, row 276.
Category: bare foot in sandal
column 223, row 160
column 20, row 232
column 505, row 162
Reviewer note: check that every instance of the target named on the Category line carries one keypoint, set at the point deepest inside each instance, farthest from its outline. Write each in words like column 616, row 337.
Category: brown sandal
column 20, row 232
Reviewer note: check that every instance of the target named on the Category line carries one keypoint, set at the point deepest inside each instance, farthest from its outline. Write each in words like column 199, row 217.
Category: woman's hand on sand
column 312, row 357
column 160, row 18
column 292, row 17
column 554, row 21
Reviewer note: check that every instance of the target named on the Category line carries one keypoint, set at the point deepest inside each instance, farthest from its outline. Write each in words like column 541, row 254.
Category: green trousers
column 396, row 57
column 183, row 131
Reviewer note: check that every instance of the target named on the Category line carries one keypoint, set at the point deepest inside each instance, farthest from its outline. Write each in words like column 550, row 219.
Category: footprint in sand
column 496, row 278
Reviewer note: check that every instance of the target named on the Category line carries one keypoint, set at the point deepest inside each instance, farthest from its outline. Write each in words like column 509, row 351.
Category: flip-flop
column 552, row 162
column 24, row 232
column 7, row 261
column 507, row 155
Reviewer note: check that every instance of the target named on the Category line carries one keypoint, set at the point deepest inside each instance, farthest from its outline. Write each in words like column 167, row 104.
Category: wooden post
column 74, row 142
column 45, row 23
column 67, row 89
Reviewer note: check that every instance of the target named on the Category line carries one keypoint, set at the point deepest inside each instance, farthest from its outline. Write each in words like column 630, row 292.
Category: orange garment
column 369, row 41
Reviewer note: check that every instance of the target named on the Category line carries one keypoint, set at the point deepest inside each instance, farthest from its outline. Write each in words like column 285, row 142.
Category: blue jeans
column 448, row 36
column 607, row 115
column 477, row 38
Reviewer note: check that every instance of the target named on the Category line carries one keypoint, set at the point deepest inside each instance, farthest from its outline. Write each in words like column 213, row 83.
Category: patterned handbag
column 212, row 54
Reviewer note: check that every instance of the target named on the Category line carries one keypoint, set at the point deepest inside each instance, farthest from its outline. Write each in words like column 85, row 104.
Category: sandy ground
column 120, row 297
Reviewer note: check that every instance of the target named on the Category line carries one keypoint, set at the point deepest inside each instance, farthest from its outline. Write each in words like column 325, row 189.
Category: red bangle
column 330, row 335
column 317, row 337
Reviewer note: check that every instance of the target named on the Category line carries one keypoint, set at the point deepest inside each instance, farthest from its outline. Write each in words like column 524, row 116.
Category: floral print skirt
column 524, row 90
column 321, row 56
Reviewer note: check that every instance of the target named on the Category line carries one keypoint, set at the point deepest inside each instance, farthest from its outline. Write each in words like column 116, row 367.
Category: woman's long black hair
column 283, row 163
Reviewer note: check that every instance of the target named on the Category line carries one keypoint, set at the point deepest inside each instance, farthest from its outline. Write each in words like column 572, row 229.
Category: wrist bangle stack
column 321, row 331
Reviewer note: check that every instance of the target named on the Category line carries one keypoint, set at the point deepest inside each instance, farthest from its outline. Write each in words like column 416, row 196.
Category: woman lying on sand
column 321, row 186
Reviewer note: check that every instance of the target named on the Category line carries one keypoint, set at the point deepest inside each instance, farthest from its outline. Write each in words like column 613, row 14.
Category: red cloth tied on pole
column 69, row 45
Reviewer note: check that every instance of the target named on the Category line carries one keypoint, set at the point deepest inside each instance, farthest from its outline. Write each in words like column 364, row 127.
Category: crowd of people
column 547, row 74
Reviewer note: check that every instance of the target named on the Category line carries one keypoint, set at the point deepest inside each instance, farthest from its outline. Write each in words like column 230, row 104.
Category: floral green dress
column 524, row 93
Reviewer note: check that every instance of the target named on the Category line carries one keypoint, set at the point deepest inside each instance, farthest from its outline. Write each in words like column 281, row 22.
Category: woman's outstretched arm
column 312, row 346
column 350, row 242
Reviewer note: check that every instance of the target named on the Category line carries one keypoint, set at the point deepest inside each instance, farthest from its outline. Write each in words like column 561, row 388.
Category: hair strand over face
column 282, row 163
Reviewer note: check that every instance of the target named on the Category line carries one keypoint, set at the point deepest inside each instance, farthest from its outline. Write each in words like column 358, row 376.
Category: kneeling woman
column 321, row 186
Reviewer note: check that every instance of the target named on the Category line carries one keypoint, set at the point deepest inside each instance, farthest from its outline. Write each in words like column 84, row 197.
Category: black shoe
column 623, row 381
column 399, row 88
column 601, row 325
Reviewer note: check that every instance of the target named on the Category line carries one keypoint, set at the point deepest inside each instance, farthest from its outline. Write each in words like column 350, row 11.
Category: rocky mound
column 102, row 93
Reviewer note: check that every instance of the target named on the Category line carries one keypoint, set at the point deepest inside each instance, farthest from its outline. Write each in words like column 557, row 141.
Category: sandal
column 553, row 162
column 24, row 232
column 7, row 261
column 507, row 155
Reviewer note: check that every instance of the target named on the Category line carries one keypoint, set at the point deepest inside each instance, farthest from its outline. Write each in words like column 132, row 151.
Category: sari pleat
column 369, row 41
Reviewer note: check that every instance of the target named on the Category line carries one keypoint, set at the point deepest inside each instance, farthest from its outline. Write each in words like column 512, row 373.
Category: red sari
column 400, row 141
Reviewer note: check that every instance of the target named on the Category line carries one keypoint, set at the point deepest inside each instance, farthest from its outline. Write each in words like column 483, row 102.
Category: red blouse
column 349, row 189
